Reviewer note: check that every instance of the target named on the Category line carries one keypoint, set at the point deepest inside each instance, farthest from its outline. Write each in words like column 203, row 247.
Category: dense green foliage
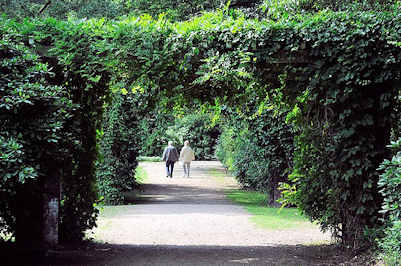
column 336, row 74
column 118, row 149
column 390, row 183
column 346, row 120
column 32, row 120
column 199, row 130
column 258, row 150
column 153, row 137
column 51, row 130
column 390, row 188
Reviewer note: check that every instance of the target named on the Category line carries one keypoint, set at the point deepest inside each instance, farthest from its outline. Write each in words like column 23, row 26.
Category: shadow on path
column 173, row 193
column 116, row 255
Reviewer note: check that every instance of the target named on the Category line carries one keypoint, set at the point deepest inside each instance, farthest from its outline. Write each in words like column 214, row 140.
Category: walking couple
column 170, row 156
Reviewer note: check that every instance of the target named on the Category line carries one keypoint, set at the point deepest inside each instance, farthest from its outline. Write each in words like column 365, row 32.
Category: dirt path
column 188, row 221
column 192, row 212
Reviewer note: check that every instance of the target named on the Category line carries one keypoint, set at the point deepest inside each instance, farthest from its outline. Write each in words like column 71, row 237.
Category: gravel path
column 192, row 212
column 189, row 221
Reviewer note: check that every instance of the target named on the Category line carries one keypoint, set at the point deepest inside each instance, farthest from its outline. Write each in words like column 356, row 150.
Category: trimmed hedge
column 118, row 149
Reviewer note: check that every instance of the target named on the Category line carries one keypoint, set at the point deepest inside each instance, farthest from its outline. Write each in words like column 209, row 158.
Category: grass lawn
column 149, row 159
column 140, row 174
column 268, row 217
column 262, row 215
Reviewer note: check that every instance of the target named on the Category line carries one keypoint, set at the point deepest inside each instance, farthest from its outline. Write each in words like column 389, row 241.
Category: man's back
column 170, row 154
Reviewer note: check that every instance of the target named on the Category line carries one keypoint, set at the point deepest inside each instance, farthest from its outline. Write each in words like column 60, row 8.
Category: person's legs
column 187, row 166
column 171, row 169
column 167, row 169
column 185, row 169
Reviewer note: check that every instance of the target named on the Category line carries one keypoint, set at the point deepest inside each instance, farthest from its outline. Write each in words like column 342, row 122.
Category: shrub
column 32, row 138
column 391, row 244
column 390, row 188
column 258, row 150
column 51, row 123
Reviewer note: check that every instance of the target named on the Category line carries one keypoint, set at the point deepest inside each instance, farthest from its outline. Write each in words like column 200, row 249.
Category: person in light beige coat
column 186, row 157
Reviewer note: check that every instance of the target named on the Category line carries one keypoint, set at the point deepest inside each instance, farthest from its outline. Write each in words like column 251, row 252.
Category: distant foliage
column 199, row 130
column 172, row 9
column 278, row 9
column 152, row 136
column 87, row 9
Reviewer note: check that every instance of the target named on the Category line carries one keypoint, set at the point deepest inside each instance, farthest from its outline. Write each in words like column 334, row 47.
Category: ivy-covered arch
column 336, row 73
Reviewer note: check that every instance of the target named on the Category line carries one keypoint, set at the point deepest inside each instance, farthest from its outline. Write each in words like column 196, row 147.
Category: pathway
column 188, row 221
column 191, row 211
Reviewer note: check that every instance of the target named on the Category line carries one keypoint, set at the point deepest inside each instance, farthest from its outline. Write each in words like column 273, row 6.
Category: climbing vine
column 336, row 74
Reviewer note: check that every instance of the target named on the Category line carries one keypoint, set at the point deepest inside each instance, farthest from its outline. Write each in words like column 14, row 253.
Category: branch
column 44, row 7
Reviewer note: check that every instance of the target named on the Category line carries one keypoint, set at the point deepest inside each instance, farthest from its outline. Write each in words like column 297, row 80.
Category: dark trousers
column 170, row 168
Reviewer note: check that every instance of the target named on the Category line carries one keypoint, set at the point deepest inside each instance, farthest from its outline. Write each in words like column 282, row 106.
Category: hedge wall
column 119, row 148
column 336, row 73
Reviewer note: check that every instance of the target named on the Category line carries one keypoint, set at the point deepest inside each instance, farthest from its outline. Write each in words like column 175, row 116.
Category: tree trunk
column 51, row 207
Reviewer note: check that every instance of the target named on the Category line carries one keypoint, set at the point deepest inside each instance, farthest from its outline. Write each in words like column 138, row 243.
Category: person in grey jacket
column 170, row 156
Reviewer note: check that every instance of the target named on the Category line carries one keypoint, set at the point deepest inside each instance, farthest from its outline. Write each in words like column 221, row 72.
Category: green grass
column 217, row 175
column 140, row 175
column 268, row 217
column 262, row 215
column 149, row 159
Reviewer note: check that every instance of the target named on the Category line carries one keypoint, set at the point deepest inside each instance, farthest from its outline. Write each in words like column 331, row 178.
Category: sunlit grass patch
column 149, row 159
column 268, row 217
column 140, row 174
column 217, row 175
